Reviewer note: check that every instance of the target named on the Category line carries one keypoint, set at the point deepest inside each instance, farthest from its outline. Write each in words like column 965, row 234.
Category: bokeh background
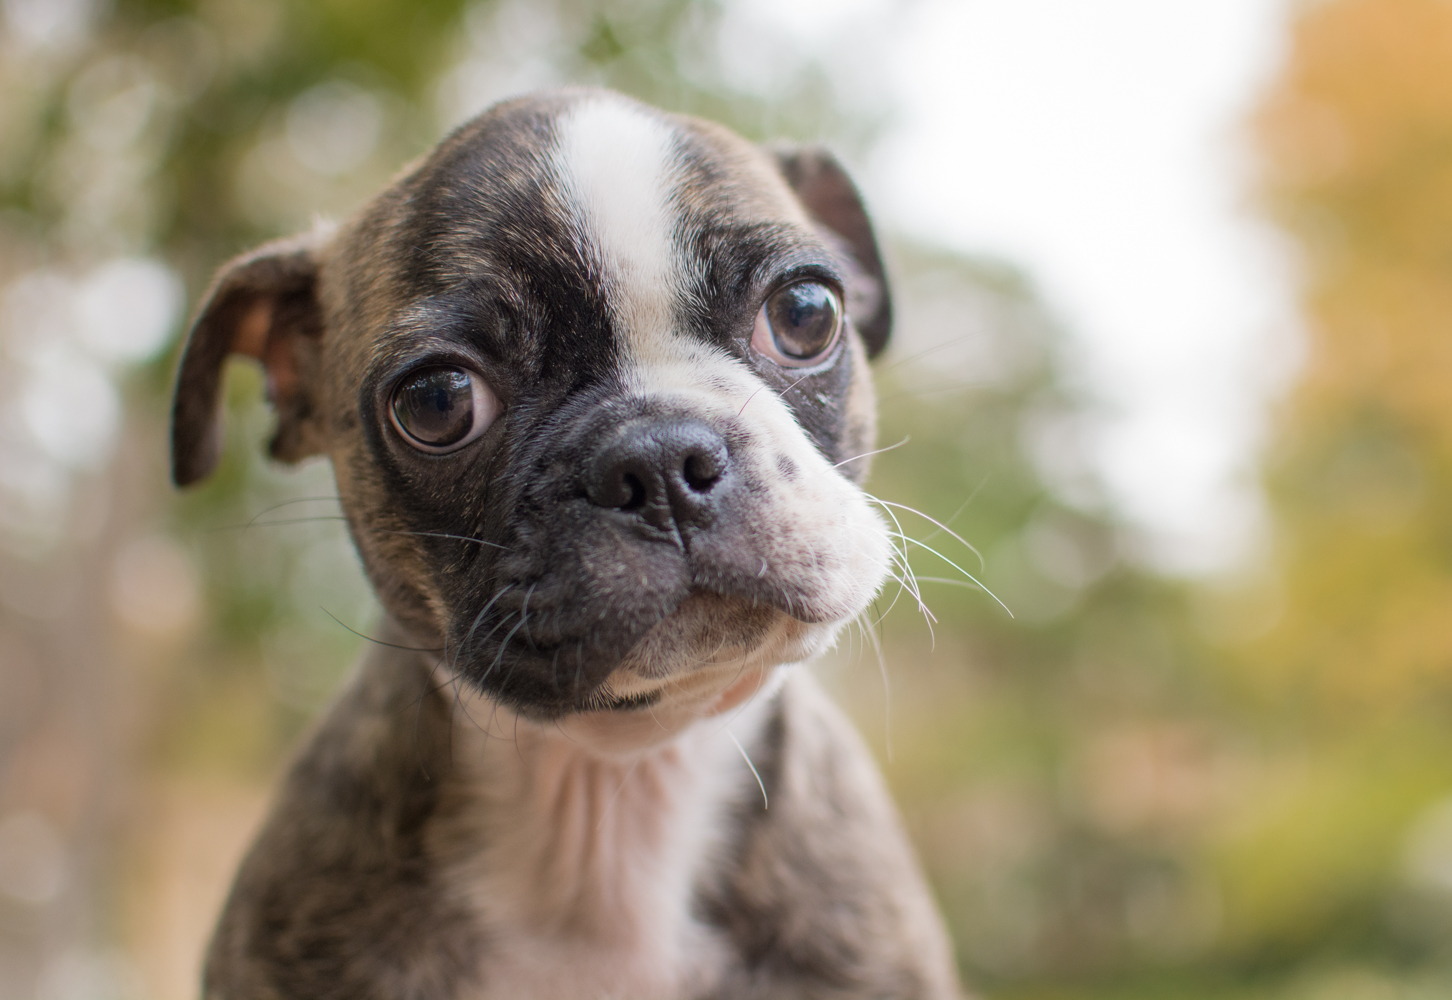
column 1166, row 776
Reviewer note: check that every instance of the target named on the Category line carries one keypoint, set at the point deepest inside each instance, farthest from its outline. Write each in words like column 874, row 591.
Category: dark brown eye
column 798, row 324
column 442, row 409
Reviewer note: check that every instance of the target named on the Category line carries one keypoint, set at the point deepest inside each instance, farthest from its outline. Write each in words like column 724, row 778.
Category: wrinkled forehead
column 595, row 194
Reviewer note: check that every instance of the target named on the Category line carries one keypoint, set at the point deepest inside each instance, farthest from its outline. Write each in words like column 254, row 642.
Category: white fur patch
column 586, row 876
column 619, row 167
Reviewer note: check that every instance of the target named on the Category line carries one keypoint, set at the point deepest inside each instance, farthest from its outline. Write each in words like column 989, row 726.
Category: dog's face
column 593, row 381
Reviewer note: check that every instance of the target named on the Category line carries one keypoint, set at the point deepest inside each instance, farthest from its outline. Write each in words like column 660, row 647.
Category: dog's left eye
column 798, row 324
column 440, row 410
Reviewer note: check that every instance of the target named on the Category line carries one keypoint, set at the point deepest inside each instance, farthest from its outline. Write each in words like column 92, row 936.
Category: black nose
column 666, row 472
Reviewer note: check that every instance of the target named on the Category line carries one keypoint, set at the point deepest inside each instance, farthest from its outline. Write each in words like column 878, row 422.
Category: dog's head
column 593, row 381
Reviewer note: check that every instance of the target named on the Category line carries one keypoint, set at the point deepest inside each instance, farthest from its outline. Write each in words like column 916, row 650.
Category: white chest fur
column 580, row 866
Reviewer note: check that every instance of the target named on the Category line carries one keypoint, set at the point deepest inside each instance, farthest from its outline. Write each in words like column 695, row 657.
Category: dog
column 593, row 379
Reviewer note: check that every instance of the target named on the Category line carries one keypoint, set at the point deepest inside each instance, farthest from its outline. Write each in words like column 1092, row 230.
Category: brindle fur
column 353, row 887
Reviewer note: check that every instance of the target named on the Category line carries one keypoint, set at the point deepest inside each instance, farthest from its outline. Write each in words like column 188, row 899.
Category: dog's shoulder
column 336, row 898
column 823, row 897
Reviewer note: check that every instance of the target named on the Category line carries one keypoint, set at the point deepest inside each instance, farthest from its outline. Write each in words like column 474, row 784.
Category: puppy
column 593, row 380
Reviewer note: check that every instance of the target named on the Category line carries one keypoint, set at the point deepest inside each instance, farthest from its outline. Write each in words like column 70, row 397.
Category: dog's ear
column 264, row 305
column 831, row 199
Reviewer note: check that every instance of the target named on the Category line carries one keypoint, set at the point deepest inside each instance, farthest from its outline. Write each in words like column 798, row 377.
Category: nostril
column 701, row 472
column 623, row 485
column 634, row 491
column 668, row 472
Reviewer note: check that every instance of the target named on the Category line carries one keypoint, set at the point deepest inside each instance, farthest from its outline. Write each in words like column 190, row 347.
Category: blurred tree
column 1358, row 153
column 1346, row 654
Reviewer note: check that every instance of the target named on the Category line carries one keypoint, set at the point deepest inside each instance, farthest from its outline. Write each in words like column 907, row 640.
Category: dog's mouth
column 705, row 658
column 605, row 701
column 583, row 674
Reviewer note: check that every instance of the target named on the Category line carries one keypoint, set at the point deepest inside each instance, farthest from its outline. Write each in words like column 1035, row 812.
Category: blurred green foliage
column 1134, row 786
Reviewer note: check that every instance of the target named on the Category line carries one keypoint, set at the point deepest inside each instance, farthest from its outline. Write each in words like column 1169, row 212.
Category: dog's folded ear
column 831, row 199
column 264, row 305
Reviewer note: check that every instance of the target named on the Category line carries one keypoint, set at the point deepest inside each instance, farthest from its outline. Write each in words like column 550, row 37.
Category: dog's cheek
column 821, row 536
column 859, row 418
column 397, row 569
column 393, row 563
column 829, row 545
column 837, row 409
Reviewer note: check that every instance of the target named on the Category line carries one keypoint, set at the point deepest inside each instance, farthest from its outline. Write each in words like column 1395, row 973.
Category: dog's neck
column 590, row 835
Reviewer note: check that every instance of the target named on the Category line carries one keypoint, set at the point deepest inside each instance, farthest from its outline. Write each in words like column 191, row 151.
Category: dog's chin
column 706, row 657
column 708, row 629
column 706, row 660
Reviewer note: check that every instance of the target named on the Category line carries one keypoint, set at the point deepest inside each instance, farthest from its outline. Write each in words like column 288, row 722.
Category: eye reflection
column 799, row 324
column 442, row 409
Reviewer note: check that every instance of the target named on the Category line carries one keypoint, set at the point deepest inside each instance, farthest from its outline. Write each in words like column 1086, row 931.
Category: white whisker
column 868, row 454
column 754, row 773
column 940, row 525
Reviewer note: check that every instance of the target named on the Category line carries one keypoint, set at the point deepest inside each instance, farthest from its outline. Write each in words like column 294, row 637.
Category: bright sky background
column 1101, row 146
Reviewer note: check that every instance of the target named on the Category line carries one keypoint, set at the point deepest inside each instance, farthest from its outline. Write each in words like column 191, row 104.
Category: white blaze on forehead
column 619, row 167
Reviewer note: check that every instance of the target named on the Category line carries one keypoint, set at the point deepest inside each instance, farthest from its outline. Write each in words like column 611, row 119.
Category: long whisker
column 605, row 813
column 871, row 634
column 499, row 654
column 788, row 389
column 555, row 669
column 754, row 772
column 940, row 525
column 899, row 559
column 960, row 569
column 460, row 706
column 964, row 505
column 474, row 626
column 254, row 523
column 922, row 354
column 879, row 451
column 500, row 624
column 960, row 386
column 289, row 503
column 907, row 567
column 391, row 645
column 442, row 534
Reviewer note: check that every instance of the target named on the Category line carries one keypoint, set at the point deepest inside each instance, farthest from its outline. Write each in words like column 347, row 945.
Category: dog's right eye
column 439, row 410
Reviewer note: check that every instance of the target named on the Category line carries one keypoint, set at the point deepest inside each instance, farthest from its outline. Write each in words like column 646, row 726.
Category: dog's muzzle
column 669, row 475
